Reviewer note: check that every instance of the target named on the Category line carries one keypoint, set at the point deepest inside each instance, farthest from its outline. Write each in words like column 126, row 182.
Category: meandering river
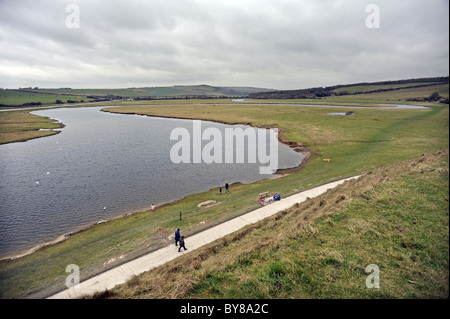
column 101, row 166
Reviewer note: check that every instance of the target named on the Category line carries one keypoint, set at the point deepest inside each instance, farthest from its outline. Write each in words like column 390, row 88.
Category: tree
column 434, row 96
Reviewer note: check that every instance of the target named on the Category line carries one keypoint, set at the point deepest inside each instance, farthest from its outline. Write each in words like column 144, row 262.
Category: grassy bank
column 395, row 217
column 18, row 126
column 371, row 138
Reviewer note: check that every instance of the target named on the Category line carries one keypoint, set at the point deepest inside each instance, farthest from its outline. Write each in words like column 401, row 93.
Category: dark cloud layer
column 283, row 44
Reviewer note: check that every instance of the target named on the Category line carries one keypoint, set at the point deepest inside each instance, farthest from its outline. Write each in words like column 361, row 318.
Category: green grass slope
column 395, row 217
column 16, row 126
column 17, row 98
column 49, row 96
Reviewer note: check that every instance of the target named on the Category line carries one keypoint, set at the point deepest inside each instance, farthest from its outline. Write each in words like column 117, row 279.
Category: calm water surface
column 100, row 166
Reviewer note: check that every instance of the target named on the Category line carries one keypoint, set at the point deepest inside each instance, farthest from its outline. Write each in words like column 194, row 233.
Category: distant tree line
column 69, row 101
column 188, row 97
column 32, row 104
column 109, row 97
column 434, row 97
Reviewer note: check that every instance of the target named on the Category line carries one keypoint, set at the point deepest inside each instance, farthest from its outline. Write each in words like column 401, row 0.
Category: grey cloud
column 280, row 44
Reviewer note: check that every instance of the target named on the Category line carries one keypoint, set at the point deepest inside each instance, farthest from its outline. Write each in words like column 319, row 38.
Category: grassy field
column 387, row 97
column 368, row 88
column 49, row 96
column 369, row 139
column 397, row 96
column 15, row 97
column 157, row 92
column 325, row 136
column 16, row 126
column 395, row 217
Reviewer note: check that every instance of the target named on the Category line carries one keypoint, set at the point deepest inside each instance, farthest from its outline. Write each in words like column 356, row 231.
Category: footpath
column 123, row 273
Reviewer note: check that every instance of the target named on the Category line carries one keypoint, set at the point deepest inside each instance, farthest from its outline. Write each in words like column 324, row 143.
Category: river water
column 101, row 166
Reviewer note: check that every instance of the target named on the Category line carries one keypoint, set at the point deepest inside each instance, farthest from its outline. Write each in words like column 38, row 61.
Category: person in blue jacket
column 177, row 237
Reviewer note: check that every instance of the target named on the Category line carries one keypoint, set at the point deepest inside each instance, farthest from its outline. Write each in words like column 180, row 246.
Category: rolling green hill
column 357, row 89
column 347, row 92
column 66, row 95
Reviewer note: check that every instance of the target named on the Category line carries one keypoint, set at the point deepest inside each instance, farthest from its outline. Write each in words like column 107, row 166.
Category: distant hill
column 207, row 90
column 176, row 91
column 41, row 96
column 350, row 89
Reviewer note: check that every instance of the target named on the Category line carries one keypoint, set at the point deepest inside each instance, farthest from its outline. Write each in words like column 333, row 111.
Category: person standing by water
column 177, row 237
column 153, row 207
column 182, row 244
column 227, row 190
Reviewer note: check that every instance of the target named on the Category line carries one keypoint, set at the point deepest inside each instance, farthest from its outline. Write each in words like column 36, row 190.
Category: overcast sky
column 281, row 44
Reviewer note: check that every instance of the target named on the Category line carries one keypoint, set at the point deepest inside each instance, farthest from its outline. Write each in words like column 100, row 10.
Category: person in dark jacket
column 177, row 237
column 182, row 244
column 227, row 190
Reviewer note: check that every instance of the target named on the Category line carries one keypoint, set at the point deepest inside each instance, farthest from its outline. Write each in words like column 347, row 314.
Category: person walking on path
column 227, row 190
column 182, row 244
column 177, row 237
